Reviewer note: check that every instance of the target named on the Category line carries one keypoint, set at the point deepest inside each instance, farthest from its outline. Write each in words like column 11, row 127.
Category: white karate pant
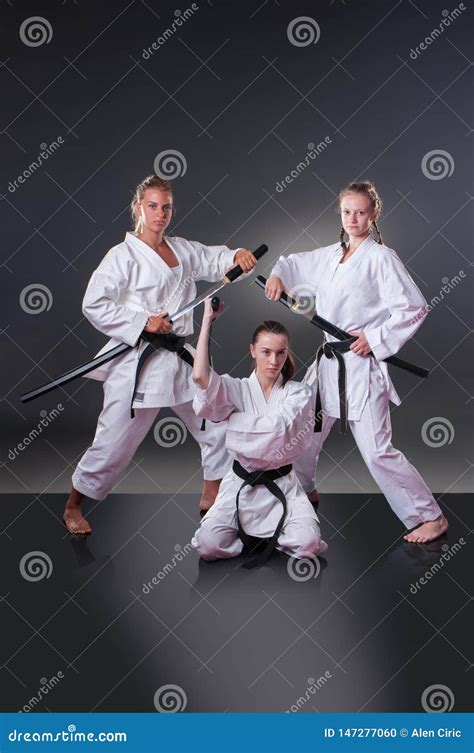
column 406, row 492
column 217, row 537
column 218, row 540
column 118, row 436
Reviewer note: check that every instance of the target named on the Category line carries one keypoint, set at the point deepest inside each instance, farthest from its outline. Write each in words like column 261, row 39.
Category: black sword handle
column 234, row 273
column 341, row 334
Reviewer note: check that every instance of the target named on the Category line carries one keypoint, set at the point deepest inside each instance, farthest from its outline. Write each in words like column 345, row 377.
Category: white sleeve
column 101, row 303
column 279, row 437
column 405, row 303
column 304, row 269
column 211, row 262
column 222, row 396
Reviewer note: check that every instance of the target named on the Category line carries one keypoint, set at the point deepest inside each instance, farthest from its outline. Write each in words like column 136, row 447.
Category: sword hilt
column 234, row 273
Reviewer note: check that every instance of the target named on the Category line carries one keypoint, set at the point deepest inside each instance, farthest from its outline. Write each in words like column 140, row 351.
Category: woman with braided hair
column 363, row 287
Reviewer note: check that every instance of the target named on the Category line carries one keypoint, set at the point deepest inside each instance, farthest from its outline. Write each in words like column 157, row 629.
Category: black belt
column 336, row 349
column 169, row 341
column 265, row 478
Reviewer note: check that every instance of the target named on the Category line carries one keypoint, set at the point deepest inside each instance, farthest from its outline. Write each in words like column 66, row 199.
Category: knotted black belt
column 169, row 341
column 336, row 349
column 265, row 478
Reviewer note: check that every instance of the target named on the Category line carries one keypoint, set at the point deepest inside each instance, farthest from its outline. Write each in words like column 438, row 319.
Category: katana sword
column 79, row 371
column 231, row 276
column 337, row 332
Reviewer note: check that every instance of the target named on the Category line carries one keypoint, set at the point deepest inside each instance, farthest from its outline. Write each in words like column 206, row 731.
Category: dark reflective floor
column 104, row 623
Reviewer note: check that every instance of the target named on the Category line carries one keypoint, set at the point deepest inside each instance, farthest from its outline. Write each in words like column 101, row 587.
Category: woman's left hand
column 360, row 346
column 245, row 259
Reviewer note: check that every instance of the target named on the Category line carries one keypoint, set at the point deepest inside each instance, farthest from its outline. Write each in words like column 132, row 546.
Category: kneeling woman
column 269, row 419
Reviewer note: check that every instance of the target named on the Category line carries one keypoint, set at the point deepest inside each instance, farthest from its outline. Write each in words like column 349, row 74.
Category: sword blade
column 209, row 293
column 79, row 371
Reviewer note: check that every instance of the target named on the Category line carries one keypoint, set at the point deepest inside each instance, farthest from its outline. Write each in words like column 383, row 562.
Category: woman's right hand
column 209, row 314
column 274, row 288
column 158, row 324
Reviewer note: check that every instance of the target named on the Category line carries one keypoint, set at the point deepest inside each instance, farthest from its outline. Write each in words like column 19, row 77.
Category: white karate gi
column 371, row 292
column 130, row 284
column 260, row 435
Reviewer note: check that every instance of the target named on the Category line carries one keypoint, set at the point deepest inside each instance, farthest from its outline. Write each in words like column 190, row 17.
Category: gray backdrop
column 239, row 90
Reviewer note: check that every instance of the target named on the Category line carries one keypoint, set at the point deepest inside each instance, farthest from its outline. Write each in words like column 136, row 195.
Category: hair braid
column 379, row 234
column 341, row 238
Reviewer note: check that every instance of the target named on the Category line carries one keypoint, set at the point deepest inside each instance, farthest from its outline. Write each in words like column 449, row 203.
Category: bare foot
column 429, row 531
column 209, row 494
column 75, row 522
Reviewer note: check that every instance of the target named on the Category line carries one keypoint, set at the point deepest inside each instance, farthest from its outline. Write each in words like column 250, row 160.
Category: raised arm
column 201, row 368
column 216, row 396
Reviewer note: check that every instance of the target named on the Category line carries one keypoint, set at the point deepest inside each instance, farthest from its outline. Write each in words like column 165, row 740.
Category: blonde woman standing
column 141, row 279
column 363, row 287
